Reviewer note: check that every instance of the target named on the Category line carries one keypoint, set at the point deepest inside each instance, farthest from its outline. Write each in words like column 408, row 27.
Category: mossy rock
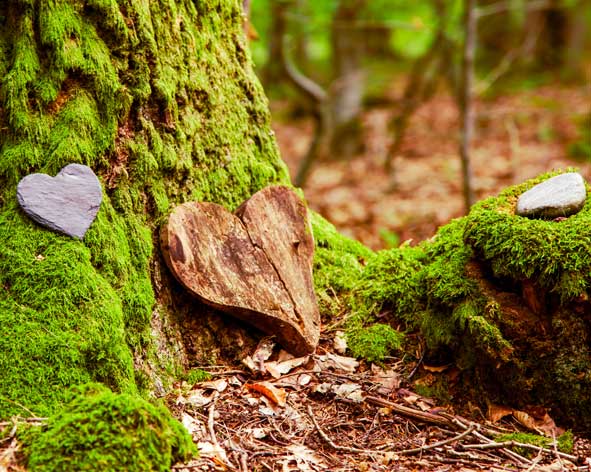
column 503, row 297
column 101, row 430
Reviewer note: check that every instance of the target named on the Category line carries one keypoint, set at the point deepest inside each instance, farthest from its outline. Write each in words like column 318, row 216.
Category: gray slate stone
column 67, row 203
column 562, row 195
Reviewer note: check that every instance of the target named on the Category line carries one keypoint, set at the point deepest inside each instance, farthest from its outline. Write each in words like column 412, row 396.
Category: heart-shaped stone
column 255, row 264
column 67, row 203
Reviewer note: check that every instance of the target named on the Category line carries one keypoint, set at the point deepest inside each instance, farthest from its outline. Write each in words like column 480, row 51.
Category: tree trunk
column 273, row 72
column 160, row 100
column 348, row 85
column 465, row 103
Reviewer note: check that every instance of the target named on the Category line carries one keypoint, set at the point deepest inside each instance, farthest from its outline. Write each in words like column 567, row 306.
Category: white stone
column 562, row 195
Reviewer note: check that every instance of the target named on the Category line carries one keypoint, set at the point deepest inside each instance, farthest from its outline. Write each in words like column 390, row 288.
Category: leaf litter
column 330, row 412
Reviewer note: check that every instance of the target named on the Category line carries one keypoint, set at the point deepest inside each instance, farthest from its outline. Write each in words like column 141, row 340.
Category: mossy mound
column 506, row 298
column 101, row 430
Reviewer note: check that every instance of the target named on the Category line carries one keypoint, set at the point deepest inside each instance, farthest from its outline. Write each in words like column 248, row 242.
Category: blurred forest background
column 395, row 115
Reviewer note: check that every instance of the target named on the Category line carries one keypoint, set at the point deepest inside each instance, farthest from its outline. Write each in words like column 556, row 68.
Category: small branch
column 305, row 85
column 504, row 444
column 418, row 450
column 409, row 412
column 466, row 102
column 214, row 439
column 336, row 446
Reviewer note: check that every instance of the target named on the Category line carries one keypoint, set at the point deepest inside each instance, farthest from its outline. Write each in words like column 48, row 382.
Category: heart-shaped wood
column 255, row 265
column 67, row 203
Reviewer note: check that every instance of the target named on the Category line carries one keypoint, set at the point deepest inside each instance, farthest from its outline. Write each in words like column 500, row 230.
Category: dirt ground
column 517, row 137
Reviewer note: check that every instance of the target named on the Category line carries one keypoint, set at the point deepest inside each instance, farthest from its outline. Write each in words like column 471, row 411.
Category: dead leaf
column 539, row 420
column 336, row 362
column 525, row 420
column 276, row 395
column 277, row 369
column 496, row 413
column 436, row 368
column 349, row 391
column 198, row 398
column 195, row 427
column 262, row 352
column 340, row 342
column 304, row 379
column 388, row 380
column 304, row 457
column 219, row 385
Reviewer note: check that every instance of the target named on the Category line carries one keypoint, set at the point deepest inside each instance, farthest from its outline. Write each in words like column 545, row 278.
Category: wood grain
column 255, row 265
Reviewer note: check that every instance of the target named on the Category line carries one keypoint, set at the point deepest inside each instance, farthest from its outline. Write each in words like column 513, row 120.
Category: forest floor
column 518, row 136
column 328, row 412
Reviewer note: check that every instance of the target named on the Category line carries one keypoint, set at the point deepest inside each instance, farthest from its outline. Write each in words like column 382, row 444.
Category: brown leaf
column 537, row 419
column 436, row 368
column 496, row 413
column 525, row 420
column 276, row 395
column 277, row 369
column 333, row 361
column 387, row 379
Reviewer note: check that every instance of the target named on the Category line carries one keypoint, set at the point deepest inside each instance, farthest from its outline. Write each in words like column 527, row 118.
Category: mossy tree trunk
column 160, row 100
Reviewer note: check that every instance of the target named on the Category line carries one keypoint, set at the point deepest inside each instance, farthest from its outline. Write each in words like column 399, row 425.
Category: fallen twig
column 331, row 443
column 409, row 412
column 504, row 444
column 421, row 449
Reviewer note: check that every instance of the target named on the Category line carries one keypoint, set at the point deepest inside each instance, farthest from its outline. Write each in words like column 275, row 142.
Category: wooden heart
column 255, row 264
column 67, row 203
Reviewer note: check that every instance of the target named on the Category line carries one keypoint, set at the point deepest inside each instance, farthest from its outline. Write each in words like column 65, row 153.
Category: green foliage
column 101, row 430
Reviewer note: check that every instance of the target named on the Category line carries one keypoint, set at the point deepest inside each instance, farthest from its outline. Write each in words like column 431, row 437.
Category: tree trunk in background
column 273, row 72
column 160, row 100
column 466, row 105
column 348, row 86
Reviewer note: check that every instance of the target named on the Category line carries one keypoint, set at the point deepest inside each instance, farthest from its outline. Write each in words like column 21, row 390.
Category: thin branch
column 505, row 444
column 418, row 450
column 409, row 412
column 331, row 443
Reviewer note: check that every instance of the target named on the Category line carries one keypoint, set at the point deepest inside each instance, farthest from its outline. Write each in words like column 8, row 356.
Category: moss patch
column 101, row 430
column 160, row 99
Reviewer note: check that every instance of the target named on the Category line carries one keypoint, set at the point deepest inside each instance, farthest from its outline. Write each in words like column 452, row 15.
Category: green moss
column 197, row 375
column 338, row 264
column 101, row 430
column 552, row 253
column 61, row 321
column 374, row 342
column 160, row 99
column 564, row 442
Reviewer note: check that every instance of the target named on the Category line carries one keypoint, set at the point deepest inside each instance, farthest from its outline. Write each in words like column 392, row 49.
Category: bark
column 348, row 85
column 160, row 100
column 273, row 73
column 255, row 265
column 466, row 104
